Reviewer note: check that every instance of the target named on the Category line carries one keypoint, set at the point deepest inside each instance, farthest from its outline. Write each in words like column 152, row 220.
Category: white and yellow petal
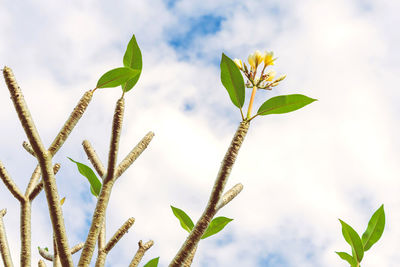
column 238, row 63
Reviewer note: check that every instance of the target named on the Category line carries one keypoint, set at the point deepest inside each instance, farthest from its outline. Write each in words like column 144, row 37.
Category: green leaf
column 132, row 59
column 354, row 240
column 152, row 263
column 347, row 257
column 95, row 184
column 232, row 80
column 183, row 218
column 375, row 228
column 216, row 225
column 284, row 104
column 116, row 77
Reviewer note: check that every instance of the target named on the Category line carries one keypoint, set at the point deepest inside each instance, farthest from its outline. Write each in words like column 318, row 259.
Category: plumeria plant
column 236, row 76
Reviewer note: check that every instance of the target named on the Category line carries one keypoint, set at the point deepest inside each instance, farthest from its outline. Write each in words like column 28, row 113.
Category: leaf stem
column 253, row 93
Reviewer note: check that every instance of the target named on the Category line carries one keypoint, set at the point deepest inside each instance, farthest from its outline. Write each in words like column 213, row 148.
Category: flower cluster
column 266, row 80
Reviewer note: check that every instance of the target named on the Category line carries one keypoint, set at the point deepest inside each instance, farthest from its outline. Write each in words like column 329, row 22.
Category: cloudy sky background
column 336, row 158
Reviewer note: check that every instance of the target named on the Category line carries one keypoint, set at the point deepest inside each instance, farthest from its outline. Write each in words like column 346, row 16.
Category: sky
column 301, row 171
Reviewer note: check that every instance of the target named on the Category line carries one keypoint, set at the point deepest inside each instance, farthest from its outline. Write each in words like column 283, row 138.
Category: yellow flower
column 238, row 63
column 270, row 75
column 269, row 58
column 255, row 59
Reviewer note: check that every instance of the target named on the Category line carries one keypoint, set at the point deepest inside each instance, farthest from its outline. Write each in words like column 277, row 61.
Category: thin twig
column 63, row 134
column 34, row 180
column 77, row 247
column 28, row 148
column 140, row 252
column 46, row 254
column 119, row 234
column 71, row 122
column 94, row 158
column 4, row 248
column 101, row 259
column 108, row 182
column 229, row 195
column 12, row 187
column 194, row 237
column 38, row 188
column 44, row 159
column 134, row 154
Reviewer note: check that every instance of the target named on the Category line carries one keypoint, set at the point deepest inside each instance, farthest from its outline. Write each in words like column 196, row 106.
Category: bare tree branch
column 44, row 158
column 25, row 228
column 229, row 195
column 77, row 247
column 46, row 254
column 134, row 154
column 101, row 259
column 108, row 182
column 4, row 248
column 211, row 209
column 38, row 188
column 28, row 148
column 12, row 187
column 94, row 159
column 140, row 253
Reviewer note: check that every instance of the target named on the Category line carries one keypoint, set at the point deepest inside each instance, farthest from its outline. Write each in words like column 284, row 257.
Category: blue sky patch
column 197, row 27
column 273, row 260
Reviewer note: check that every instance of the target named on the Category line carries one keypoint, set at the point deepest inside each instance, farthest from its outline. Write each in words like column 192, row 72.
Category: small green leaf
column 62, row 201
column 46, row 248
column 116, row 77
column 152, row 263
column 354, row 240
column 183, row 218
column 95, row 184
column 347, row 257
column 375, row 228
column 284, row 104
column 215, row 226
column 232, row 80
column 132, row 59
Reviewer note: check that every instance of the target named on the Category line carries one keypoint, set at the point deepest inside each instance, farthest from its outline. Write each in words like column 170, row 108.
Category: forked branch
column 211, row 208
column 140, row 252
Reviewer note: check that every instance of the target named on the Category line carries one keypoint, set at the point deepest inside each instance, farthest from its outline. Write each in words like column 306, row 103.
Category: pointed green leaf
column 183, row 218
column 347, row 257
column 232, row 80
column 132, row 59
column 95, row 184
column 354, row 240
column 375, row 228
column 152, row 263
column 116, row 77
column 284, row 104
column 216, row 225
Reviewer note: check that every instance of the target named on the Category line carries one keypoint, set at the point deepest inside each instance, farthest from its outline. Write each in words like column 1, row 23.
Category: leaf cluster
column 372, row 234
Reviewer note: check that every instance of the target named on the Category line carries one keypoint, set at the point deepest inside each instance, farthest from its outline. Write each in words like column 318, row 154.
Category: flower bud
column 281, row 78
column 238, row 63
column 270, row 75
